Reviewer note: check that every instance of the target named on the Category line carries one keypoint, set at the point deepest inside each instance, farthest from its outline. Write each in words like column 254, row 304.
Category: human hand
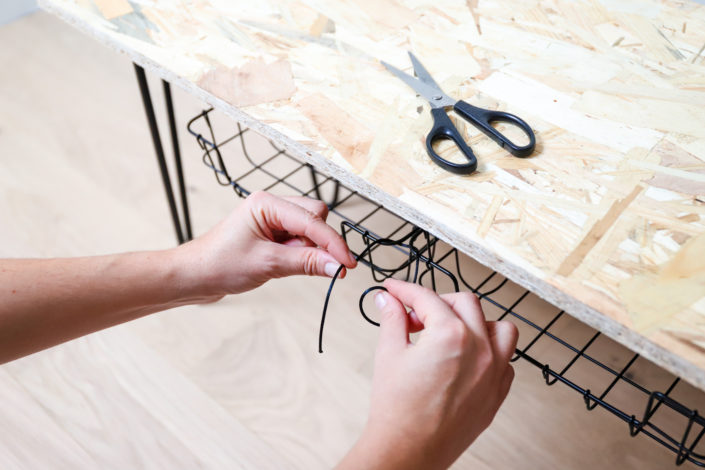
column 265, row 237
column 430, row 400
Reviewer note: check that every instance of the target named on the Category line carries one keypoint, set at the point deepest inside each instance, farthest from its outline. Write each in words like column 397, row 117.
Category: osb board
column 606, row 220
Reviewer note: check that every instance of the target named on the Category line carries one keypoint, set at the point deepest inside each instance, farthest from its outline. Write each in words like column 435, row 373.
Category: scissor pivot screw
column 437, row 97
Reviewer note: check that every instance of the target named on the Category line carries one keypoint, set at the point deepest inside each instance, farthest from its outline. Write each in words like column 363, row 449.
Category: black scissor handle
column 482, row 119
column 443, row 128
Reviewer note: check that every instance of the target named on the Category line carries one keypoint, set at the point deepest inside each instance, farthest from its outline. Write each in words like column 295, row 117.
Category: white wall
column 13, row 9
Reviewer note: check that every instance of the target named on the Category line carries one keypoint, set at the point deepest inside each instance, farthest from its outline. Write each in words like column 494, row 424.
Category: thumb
column 394, row 323
column 294, row 260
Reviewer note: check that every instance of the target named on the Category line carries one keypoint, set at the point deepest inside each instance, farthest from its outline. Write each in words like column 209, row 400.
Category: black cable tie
column 634, row 426
column 588, row 400
column 545, row 371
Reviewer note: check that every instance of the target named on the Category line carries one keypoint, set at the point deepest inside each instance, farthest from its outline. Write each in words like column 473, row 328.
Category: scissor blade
column 433, row 94
column 423, row 74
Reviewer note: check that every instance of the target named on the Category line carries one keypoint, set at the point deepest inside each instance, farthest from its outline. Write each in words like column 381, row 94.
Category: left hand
column 265, row 237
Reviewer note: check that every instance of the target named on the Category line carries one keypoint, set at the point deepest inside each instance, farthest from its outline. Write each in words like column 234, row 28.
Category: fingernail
column 330, row 269
column 352, row 257
column 380, row 300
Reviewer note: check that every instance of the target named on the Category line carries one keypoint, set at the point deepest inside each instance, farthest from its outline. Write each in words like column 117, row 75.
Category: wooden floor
column 238, row 384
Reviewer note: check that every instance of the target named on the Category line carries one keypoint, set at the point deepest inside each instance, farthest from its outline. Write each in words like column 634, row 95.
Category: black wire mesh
column 563, row 350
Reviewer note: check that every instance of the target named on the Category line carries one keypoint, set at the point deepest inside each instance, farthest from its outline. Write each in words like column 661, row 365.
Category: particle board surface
column 605, row 220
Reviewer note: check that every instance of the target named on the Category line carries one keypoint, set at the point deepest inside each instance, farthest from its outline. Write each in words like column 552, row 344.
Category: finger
column 279, row 214
column 506, row 384
column 312, row 205
column 430, row 309
column 297, row 241
column 293, row 260
column 467, row 306
column 415, row 324
column 503, row 337
column 394, row 324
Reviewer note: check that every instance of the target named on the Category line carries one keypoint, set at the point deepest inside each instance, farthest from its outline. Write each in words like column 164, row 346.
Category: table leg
column 183, row 233
column 177, row 160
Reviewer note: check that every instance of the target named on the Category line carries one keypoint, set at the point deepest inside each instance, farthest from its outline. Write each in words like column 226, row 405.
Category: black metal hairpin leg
column 183, row 233
column 177, row 159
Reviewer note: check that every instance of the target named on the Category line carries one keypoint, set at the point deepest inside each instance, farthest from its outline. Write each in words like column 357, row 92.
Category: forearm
column 44, row 302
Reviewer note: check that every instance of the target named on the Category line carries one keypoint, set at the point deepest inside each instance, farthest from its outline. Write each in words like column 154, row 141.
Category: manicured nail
column 330, row 269
column 380, row 300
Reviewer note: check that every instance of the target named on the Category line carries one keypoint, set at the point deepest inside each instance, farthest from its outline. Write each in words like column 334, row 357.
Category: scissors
column 443, row 128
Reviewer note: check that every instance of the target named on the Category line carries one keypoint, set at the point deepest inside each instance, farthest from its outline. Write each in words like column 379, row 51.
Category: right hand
column 430, row 400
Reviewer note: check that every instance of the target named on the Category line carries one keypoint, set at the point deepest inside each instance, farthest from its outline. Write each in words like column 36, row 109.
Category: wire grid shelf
column 629, row 387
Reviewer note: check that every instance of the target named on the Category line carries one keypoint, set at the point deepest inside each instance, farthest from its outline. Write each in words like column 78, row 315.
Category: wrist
column 194, row 279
